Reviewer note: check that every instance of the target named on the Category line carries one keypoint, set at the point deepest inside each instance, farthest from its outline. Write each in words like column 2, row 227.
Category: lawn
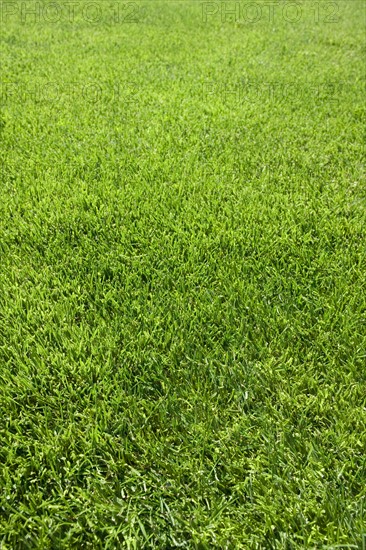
column 182, row 275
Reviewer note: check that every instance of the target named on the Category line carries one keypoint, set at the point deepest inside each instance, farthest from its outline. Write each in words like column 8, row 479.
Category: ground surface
column 182, row 275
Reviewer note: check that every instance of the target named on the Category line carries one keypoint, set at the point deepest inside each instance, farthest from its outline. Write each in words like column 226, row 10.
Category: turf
column 182, row 275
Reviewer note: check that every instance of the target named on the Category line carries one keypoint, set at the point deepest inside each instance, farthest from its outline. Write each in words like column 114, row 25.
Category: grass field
column 182, row 275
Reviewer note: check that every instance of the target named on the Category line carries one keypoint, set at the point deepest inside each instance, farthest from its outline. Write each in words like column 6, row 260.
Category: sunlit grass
column 182, row 280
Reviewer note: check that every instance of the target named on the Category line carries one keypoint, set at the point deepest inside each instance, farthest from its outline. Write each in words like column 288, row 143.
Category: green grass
column 183, row 277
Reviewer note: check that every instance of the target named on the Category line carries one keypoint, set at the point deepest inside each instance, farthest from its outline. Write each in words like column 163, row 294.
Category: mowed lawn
column 182, row 275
